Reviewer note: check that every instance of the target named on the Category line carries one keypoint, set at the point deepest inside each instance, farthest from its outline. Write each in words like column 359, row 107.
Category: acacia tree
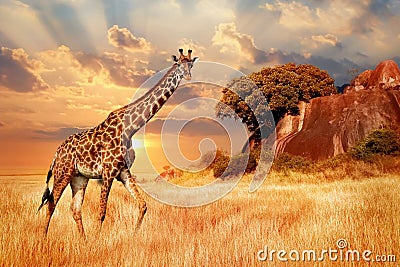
column 283, row 87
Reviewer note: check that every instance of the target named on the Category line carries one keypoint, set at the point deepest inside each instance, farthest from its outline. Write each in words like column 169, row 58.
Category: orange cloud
column 18, row 72
column 124, row 39
column 326, row 39
column 293, row 15
column 186, row 44
column 242, row 46
column 239, row 44
column 64, row 67
column 50, row 94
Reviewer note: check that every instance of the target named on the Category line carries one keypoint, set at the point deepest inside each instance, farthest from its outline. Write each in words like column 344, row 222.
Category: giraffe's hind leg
column 60, row 183
column 78, row 186
column 130, row 184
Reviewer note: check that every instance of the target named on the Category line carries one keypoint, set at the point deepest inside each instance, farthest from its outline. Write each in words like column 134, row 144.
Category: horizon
column 64, row 65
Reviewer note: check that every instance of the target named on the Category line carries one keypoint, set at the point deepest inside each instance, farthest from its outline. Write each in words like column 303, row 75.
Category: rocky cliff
column 330, row 125
column 385, row 76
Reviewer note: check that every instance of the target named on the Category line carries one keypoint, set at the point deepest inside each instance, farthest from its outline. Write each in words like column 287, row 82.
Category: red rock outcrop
column 360, row 82
column 385, row 76
column 328, row 126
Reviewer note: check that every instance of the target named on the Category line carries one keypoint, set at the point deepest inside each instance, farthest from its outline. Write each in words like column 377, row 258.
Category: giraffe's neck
column 143, row 109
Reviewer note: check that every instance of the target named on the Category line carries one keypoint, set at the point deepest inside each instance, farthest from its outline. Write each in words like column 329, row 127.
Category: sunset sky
column 65, row 64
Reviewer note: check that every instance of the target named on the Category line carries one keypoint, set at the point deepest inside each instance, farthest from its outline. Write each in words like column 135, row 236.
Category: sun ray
column 96, row 29
column 24, row 28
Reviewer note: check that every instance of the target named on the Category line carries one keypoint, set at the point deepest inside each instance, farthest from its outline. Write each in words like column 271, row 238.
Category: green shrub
column 210, row 158
column 220, row 164
column 225, row 167
column 240, row 163
column 285, row 162
column 332, row 163
column 380, row 141
column 243, row 161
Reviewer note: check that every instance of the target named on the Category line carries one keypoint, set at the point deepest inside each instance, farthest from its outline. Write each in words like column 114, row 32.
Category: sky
column 65, row 64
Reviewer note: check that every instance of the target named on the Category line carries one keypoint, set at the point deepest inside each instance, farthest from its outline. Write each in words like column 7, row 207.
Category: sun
column 137, row 143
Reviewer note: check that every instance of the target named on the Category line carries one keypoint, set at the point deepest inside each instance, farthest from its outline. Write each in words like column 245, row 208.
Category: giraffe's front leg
column 131, row 185
column 111, row 170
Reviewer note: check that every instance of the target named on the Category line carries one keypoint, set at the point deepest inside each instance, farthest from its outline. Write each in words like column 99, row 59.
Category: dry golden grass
column 229, row 232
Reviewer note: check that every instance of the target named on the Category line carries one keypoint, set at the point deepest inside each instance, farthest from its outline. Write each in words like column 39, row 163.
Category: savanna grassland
column 357, row 202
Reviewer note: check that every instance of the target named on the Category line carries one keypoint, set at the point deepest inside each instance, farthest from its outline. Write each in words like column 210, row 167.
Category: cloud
column 242, row 46
column 293, row 15
column 18, row 72
column 340, row 18
column 59, row 134
column 77, row 83
column 194, row 91
column 182, row 94
column 62, row 67
column 203, row 127
column 23, row 27
column 320, row 44
column 186, row 44
column 65, row 67
column 324, row 16
column 124, row 39
column 124, row 71
column 193, row 128
column 2, row 124
column 239, row 44
column 327, row 39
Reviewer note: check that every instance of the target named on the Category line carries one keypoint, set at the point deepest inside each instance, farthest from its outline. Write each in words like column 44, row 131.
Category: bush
column 210, row 158
column 285, row 162
column 239, row 162
column 333, row 163
column 220, row 164
column 381, row 141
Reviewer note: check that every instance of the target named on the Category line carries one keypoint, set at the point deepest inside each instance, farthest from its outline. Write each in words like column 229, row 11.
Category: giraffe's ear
column 174, row 58
column 195, row 59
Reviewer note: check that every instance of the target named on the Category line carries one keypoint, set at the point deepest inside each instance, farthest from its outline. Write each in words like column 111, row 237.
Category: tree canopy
column 283, row 87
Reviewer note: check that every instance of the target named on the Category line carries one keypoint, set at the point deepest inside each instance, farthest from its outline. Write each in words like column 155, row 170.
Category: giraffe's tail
column 47, row 194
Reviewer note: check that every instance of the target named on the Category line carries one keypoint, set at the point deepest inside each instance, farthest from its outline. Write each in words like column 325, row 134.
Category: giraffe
column 105, row 152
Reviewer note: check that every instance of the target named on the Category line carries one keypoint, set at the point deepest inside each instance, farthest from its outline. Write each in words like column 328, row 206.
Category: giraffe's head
column 185, row 63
